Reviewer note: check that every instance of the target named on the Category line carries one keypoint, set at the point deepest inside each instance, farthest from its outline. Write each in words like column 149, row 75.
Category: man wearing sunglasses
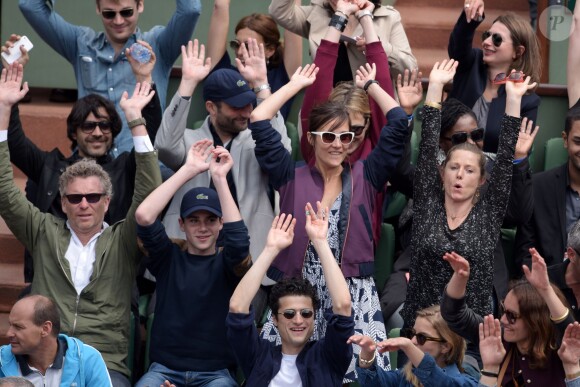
column 86, row 265
column 297, row 361
column 98, row 58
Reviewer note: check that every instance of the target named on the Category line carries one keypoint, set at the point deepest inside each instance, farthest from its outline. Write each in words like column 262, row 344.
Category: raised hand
column 142, row 71
column 253, row 63
column 281, row 233
column 7, row 48
column 142, row 95
column 367, row 346
column 473, row 10
column 518, row 89
column 195, row 66
column 221, row 162
column 347, row 7
column 365, row 73
column 11, row 88
column 442, row 73
column 198, row 156
column 459, row 264
column 394, row 344
column 305, row 76
column 316, row 222
column 569, row 351
column 538, row 276
column 525, row 138
column 409, row 90
column 490, row 345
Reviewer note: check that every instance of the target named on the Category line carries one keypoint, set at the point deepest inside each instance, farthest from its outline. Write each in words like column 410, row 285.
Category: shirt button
column 110, row 57
column 110, row 89
column 49, row 193
column 528, row 381
column 110, row 69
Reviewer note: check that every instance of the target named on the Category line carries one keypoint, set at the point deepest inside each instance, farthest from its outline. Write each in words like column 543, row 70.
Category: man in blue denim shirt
column 98, row 58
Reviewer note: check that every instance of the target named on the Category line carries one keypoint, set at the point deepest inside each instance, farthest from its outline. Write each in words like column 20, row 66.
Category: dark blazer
column 471, row 78
column 546, row 230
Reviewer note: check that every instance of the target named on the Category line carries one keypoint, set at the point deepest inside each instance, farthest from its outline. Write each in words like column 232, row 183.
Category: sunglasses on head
column 461, row 137
column 502, row 78
column 510, row 316
column 125, row 13
column 358, row 129
column 291, row 313
column 91, row 198
column 422, row 338
column 235, row 45
column 496, row 39
column 329, row 137
column 89, row 127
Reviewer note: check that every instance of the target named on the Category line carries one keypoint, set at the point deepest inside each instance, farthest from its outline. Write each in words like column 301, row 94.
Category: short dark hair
column 292, row 287
column 572, row 116
column 45, row 309
column 326, row 112
column 451, row 111
column 87, row 105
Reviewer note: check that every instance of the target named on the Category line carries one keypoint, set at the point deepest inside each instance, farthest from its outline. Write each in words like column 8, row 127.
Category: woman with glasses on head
column 510, row 43
column 533, row 319
column 434, row 351
column 347, row 189
column 449, row 211
column 282, row 59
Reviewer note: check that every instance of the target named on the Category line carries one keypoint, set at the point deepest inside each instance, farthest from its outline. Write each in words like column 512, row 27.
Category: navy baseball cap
column 226, row 85
column 200, row 198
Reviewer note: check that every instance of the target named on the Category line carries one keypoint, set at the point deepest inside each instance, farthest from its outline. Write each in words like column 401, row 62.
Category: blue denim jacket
column 428, row 373
column 93, row 58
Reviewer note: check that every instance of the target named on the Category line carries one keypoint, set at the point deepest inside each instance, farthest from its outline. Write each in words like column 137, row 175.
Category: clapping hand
column 11, row 88
column 281, row 234
column 409, row 90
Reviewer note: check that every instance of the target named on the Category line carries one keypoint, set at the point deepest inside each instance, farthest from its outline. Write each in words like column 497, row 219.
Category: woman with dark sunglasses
column 510, row 43
column 449, row 211
column 533, row 319
column 434, row 351
column 282, row 58
column 347, row 189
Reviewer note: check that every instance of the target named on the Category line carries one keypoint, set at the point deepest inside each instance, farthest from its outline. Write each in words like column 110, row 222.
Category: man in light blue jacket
column 43, row 356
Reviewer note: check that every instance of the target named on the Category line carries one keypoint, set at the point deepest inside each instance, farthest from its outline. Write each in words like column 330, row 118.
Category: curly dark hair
column 451, row 111
column 87, row 105
column 292, row 287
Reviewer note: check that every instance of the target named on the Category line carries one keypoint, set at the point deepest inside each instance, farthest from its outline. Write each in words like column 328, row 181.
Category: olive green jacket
column 100, row 315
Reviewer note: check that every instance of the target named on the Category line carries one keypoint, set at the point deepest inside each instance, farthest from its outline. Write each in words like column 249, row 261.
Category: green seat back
column 385, row 255
column 554, row 153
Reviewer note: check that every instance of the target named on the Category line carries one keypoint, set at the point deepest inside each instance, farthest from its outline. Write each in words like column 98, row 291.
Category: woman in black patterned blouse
column 452, row 216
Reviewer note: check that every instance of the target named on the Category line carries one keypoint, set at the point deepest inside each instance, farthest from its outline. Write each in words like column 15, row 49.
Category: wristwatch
column 265, row 86
column 136, row 122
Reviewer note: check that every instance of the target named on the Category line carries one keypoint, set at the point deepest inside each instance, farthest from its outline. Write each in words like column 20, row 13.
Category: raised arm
column 153, row 205
column 461, row 38
column 365, row 79
column 569, row 353
column 292, row 49
column 280, row 236
column 491, row 349
column 573, row 78
column 221, row 163
column 290, row 16
column 12, row 90
column 8, row 46
column 317, row 230
column 219, row 24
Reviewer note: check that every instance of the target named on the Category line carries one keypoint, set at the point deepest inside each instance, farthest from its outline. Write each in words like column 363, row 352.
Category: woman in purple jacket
column 348, row 190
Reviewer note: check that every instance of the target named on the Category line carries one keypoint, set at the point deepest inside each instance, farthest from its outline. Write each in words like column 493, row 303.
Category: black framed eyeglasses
column 358, row 129
column 422, row 338
column 235, row 45
column 110, row 14
column 291, row 313
column 510, row 315
column 329, row 137
column 91, row 198
column 496, row 38
column 88, row 127
column 476, row 135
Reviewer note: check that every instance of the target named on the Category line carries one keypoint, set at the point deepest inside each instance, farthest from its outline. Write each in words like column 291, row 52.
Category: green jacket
column 100, row 315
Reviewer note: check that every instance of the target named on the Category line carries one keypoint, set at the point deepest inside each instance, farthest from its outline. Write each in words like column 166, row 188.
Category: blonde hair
column 456, row 343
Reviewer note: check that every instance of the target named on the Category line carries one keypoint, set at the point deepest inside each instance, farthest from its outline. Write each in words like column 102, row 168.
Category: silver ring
column 307, row 212
column 467, row 5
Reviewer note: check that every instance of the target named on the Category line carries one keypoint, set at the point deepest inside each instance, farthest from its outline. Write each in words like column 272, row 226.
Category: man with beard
column 556, row 202
column 229, row 99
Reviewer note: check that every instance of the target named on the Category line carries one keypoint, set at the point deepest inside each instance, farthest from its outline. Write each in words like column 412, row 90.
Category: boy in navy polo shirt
column 194, row 283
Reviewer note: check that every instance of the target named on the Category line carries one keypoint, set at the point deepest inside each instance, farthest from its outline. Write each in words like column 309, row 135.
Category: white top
column 288, row 375
column 81, row 258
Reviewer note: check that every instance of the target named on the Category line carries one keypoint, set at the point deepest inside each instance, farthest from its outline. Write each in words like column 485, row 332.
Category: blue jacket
column 321, row 363
column 84, row 365
column 301, row 183
column 471, row 78
column 428, row 373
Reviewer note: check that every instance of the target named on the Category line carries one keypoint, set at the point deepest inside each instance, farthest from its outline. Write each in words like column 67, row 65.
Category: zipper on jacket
column 76, row 314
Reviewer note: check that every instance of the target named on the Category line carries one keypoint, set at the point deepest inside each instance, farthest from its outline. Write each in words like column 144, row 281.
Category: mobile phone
column 348, row 39
column 15, row 53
